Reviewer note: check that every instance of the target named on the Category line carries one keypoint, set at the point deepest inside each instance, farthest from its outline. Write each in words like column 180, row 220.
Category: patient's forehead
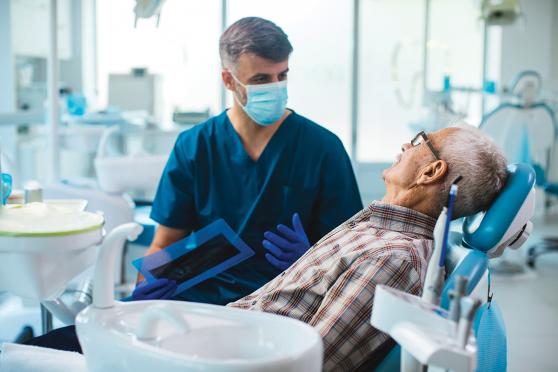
column 437, row 138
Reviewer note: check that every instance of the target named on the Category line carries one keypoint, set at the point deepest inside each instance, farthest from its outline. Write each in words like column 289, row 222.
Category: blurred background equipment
column 136, row 91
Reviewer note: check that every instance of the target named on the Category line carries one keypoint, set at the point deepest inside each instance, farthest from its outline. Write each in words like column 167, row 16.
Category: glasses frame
column 426, row 140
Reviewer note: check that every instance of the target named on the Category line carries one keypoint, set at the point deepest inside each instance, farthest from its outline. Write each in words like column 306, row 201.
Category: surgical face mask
column 265, row 103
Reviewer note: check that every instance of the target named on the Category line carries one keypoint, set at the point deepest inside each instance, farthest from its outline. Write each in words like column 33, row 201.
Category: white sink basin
column 217, row 339
column 44, row 246
column 39, row 268
column 182, row 336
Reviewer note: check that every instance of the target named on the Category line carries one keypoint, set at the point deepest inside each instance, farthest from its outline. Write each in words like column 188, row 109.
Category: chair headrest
column 506, row 222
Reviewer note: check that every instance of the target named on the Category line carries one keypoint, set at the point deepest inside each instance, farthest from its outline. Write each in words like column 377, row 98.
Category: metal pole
column 53, row 94
column 8, row 134
column 223, row 91
column 354, row 80
column 7, row 58
column 425, row 51
column 484, row 66
column 88, row 41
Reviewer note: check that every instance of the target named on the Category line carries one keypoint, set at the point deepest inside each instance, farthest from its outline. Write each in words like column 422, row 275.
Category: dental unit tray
column 422, row 329
column 200, row 256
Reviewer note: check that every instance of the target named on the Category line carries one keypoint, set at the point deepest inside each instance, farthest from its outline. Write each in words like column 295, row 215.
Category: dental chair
column 485, row 235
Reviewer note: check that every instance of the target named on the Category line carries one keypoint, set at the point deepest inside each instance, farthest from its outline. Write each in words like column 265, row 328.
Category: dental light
column 500, row 12
column 147, row 9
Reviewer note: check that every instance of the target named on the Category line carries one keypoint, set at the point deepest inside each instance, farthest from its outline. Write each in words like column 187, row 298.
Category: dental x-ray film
column 200, row 256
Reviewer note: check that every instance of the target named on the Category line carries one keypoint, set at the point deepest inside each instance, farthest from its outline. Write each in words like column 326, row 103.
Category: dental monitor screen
column 199, row 260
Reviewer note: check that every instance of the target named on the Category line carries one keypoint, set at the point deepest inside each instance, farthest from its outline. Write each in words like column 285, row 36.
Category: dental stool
column 485, row 235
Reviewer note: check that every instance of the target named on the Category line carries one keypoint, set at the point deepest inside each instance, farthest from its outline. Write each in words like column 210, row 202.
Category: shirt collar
column 396, row 218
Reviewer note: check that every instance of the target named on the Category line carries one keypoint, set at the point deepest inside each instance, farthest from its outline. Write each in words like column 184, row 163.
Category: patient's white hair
column 482, row 164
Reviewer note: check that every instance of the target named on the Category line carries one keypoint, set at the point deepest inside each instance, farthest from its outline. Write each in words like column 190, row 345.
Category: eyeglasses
column 421, row 138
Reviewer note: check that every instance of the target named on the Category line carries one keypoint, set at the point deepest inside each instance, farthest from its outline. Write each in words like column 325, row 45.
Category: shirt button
column 254, row 302
column 283, row 273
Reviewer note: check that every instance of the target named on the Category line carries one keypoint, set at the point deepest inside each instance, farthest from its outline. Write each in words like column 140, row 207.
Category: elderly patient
column 331, row 287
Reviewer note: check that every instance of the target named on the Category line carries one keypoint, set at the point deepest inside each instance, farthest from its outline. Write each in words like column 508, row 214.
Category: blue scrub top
column 209, row 175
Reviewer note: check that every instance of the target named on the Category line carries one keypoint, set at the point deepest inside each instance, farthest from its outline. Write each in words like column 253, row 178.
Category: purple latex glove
column 160, row 289
column 287, row 246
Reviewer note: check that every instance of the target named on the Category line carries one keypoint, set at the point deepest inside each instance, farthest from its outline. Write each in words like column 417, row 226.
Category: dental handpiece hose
column 435, row 275
column 469, row 308
column 451, row 202
column 455, row 295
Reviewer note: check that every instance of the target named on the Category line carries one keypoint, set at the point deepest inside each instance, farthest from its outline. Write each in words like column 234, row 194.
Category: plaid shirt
column 332, row 286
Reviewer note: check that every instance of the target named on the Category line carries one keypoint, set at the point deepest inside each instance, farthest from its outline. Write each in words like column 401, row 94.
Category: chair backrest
column 507, row 216
column 485, row 234
column 488, row 234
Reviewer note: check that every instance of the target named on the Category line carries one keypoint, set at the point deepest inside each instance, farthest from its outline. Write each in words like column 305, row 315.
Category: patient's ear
column 432, row 173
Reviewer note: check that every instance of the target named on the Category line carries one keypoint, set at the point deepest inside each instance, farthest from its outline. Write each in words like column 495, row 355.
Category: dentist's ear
column 432, row 173
column 228, row 80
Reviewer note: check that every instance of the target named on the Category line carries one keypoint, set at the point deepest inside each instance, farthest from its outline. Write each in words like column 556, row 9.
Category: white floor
column 529, row 303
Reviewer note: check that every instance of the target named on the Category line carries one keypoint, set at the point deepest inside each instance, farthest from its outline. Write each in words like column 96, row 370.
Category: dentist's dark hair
column 253, row 35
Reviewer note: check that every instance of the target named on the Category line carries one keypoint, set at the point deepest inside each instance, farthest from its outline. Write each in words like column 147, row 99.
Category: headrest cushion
column 485, row 230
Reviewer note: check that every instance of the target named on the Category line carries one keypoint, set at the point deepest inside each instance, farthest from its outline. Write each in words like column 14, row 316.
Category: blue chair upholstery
column 484, row 231
column 481, row 233
column 473, row 267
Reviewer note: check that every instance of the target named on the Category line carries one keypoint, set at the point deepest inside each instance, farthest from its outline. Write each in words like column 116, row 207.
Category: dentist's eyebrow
column 260, row 76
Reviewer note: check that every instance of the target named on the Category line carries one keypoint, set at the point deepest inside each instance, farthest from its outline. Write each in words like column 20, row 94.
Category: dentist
column 280, row 180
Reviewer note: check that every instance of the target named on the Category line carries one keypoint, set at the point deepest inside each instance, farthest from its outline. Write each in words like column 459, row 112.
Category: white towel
column 24, row 358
